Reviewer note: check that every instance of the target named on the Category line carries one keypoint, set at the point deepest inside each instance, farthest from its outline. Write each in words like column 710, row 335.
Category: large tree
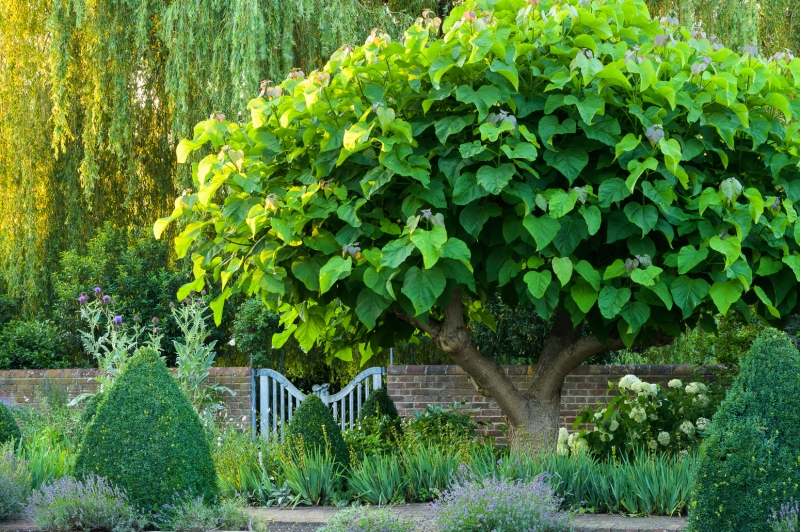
column 621, row 174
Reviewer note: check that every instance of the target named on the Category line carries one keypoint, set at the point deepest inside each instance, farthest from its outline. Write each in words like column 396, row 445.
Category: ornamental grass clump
column 499, row 505
column 90, row 504
column 749, row 463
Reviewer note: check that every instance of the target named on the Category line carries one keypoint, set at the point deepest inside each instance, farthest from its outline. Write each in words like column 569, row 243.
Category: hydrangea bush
column 668, row 419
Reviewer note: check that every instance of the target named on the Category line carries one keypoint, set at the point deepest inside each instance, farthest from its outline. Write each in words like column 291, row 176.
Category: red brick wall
column 414, row 387
column 20, row 386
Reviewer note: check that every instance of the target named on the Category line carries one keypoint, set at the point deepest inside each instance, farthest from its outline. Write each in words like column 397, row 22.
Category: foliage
column 428, row 470
column 14, row 483
column 669, row 419
column 386, row 182
column 187, row 513
column 313, row 474
column 500, row 505
column 9, row 430
column 440, row 425
column 32, row 344
column 90, row 504
column 378, row 404
column 373, row 435
column 749, row 461
column 787, row 518
column 147, row 439
column 378, row 480
column 313, row 427
column 365, row 519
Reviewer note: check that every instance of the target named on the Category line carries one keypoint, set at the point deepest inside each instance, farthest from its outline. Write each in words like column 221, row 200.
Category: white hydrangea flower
column 645, row 388
column 562, row 449
column 598, row 416
column 653, row 417
column 626, row 382
column 580, row 445
column 687, row 428
column 663, row 438
column 571, row 440
column 614, row 425
column 675, row 383
column 652, row 444
column 638, row 414
column 702, row 423
column 701, row 400
column 695, row 387
column 563, row 435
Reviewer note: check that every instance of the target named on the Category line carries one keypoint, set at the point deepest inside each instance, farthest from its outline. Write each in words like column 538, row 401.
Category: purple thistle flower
column 154, row 320
column 106, row 299
column 136, row 319
column 82, row 300
column 117, row 320
column 97, row 291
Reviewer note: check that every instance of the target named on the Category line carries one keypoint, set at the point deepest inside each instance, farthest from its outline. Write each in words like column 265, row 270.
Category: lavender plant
column 188, row 513
column 364, row 519
column 69, row 504
column 500, row 505
column 14, row 482
column 787, row 518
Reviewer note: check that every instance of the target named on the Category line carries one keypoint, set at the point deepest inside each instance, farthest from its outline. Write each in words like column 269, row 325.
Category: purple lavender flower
column 106, row 299
column 117, row 320
column 97, row 291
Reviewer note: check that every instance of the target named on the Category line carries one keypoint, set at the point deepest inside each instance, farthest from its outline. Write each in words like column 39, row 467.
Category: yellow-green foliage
column 313, row 427
column 9, row 430
column 749, row 464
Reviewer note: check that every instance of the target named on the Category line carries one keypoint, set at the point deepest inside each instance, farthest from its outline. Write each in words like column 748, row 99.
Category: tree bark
column 533, row 414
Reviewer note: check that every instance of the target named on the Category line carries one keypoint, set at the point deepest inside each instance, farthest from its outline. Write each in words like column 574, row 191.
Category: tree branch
column 432, row 327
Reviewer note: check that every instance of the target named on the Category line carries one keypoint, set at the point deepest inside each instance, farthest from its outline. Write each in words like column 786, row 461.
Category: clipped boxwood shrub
column 378, row 404
column 9, row 430
column 749, row 464
column 147, row 439
column 314, row 426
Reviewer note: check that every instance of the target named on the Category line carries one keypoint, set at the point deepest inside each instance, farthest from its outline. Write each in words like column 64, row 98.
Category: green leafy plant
column 748, row 463
column 247, row 468
column 9, row 430
column 313, row 427
column 147, row 439
column 32, row 344
column 379, row 404
column 365, row 519
column 668, row 419
column 312, row 474
column 441, row 426
column 624, row 187
column 378, row 480
column 14, row 482
column 428, row 470
column 373, row 435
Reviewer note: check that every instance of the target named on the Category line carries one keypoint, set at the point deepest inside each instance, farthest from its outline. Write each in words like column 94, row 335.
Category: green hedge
column 749, row 464
column 9, row 430
column 147, row 439
column 314, row 426
column 379, row 404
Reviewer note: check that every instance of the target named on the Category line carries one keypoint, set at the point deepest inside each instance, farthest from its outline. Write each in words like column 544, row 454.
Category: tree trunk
column 532, row 415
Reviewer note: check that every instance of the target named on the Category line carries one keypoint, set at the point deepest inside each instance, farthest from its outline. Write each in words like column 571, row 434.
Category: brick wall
column 414, row 387
column 20, row 386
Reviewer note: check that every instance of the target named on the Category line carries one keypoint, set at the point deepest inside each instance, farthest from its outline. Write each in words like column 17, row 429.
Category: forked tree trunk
column 532, row 414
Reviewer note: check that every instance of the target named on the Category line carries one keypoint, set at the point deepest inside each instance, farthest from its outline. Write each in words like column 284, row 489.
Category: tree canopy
column 572, row 155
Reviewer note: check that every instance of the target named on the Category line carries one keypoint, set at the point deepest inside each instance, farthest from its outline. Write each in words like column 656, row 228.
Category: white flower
column 580, row 445
column 701, row 400
column 598, row 416
column 653, row 417
column 687, row 428
column 663, row 438
column 702, row 423
column 695, row 387
column 638, row 414
column 627, row 382
column 571, row 439
column 562, row 449
column 645, row 388
column 614, row 425
column 652, row 444
column 675, row 383
column 563, row 435
column 232, row 343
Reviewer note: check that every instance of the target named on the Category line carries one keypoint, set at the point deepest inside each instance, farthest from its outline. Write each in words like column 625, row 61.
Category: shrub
column 147, row 439
column 193, row 514
column 9, row 430
column 499, row 505
column 374, row 435
column 445, row 426
column 364, row 519
column 642, row 414
column 378, row 404
column 14, row 483
column 91, row 504
column 313, row 424
column 32, row 344
column 749, row 462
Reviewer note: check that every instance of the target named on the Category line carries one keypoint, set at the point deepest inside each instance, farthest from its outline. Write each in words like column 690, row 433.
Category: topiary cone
column 378, row 404
column 9, row 430
column 313, row 424
column 147, row 439
column 749, row 464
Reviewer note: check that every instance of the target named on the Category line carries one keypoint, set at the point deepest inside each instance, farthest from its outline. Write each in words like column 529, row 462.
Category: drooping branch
column 432, row 326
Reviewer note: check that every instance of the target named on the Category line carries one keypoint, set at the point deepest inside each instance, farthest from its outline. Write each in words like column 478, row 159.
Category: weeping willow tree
column 94, row 95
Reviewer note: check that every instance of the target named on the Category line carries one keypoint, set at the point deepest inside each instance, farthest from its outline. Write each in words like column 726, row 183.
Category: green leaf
column 569, row 162
column 628, row 143
column 560, row 203
column 586, row 271
column 611, row 301
column 672, row 153
column 309, row 330
column 756, row 203
column 380, row 281
column 612, row 191
column 562, row 266
column 549, row 127
column 474, row 216
column 523, row 150
column 647, row 276
column 616, row 269
column 636, row 314
column 793, row 261
column 423, row 287
column 645, row 217
column 507, row 71
column 637, row 168
column 370, row 306
column 458, row 250
column 495, row 179
column 543, row 229
column 336, row 268
column 725, row 294
column 767, row 266
column 591, row 215
column 662, row 292
column 689, row 257
column 688, row 293
column 374, row 180
column 591, row 105
column 395, row 252
column 731, row 247
column 483, row 99
column 767, row 303
column 584, row 295
column 571, row 234
column 307, row 270
column 538, row 282
column 470, row 149
column 451, row 125
column 429, row 243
